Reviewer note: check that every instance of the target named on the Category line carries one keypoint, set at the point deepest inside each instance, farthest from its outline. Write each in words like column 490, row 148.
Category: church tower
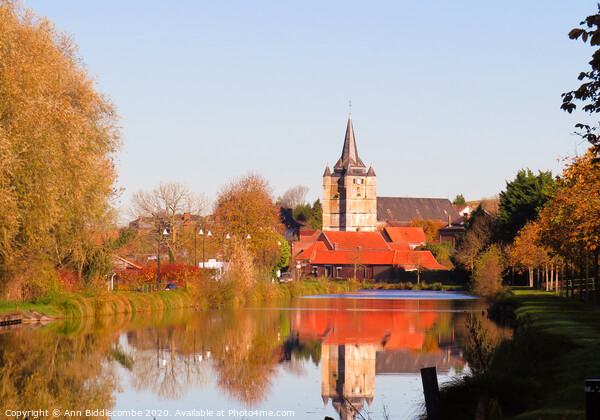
column 350, row 191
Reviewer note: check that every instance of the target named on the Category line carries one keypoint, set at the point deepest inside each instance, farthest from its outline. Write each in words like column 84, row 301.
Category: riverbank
column 540, row 373
column 78, row 305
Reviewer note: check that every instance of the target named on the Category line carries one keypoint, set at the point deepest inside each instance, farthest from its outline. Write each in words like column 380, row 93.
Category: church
column 364, row 236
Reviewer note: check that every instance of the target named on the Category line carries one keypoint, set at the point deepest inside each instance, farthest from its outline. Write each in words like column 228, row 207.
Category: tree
column 459, row 200
column 588, row 93
column 245, row 207
column 284, row 254
column 570, row 221
column 293, row 197
column 302, row 212
column 487, row 273
column 430, row 227
column 167, row 203
column 58, row 137
column 316, row 215
column 479, row 230
column 522, row 200
column 528, row 251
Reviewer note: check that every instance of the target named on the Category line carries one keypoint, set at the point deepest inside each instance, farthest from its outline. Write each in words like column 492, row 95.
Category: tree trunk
column 596, row 297
column 530, row 269
column 546, row 277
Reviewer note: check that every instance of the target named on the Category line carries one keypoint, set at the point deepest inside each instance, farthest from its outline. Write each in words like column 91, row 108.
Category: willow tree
column 58, row 136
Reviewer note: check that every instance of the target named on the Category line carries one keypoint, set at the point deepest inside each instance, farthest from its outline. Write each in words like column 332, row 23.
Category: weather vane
column 350, row 107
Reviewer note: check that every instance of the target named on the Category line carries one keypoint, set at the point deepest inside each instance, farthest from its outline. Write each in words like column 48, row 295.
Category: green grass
column 540, row 373
column 42, row 307
column 573, row 321
column 80, row 305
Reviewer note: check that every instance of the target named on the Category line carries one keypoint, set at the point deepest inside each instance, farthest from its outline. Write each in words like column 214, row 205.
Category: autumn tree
column 487, row 272
column 588, row 93
column 430, row 227
column 522, row 200
column 527, row 251
column 58, row 137
column 570, row 221
column 479, row 231
column 244, row 207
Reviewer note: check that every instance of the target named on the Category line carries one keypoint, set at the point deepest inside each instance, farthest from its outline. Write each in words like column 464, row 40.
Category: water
column 311, row 358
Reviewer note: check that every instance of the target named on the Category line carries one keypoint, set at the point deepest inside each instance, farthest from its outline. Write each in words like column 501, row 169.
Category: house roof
column 354, row 240
column 317, row 254
column 346, row 257
column 399, row 246
column 128, row 263
column 410, row 260
column 310, row 252
column 406, row 234
column 406, row 209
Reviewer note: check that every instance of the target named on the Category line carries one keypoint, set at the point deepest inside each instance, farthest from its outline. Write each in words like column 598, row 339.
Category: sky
column 447, row 97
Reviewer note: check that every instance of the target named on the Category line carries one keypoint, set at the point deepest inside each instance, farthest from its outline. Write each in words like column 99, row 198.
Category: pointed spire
column 349, row 156
column 327, row 171
column 371, row 171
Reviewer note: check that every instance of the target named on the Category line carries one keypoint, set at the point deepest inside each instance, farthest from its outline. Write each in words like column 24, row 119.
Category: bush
column 487, row 274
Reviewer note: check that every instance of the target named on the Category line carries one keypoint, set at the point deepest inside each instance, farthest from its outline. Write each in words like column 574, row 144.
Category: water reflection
column 362, row 338
column 183, row 355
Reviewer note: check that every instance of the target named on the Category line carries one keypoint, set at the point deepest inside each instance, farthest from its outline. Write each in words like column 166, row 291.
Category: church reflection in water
column 364, row 338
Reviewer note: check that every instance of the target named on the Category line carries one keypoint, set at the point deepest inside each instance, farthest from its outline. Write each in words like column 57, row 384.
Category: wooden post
column 592, row 399
column 432, row 393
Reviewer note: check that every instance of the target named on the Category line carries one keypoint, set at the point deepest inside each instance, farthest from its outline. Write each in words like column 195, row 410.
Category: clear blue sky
column 447, row 97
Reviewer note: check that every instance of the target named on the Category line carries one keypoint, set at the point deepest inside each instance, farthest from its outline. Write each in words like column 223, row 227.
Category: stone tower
column 350, row 191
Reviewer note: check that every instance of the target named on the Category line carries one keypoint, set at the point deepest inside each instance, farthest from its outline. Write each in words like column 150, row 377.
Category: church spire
column 349, row 158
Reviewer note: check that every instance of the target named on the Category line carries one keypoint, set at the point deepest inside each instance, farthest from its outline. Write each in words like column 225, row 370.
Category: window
column 338, row 272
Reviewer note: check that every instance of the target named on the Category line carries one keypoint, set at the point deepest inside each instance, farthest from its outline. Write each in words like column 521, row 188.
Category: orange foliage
column 571, row 219
column 178, row 274
column 430, row 227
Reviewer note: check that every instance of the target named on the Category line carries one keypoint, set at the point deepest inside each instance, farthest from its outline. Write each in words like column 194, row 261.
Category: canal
column 344, row 356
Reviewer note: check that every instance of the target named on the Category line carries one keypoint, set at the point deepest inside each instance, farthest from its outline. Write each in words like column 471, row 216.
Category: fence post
column 432, row 393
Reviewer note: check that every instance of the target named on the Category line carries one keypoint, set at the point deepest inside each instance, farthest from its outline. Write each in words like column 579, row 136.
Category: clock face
column 359, row 181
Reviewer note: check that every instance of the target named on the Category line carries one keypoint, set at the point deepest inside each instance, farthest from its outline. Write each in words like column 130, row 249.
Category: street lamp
column 164, row 233
column 203, row 240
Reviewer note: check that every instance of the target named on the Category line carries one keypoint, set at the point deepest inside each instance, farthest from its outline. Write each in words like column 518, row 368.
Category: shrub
column 487, row 274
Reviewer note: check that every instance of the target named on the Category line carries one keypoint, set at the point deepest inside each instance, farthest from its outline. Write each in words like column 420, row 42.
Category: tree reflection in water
column 44, row 370
column 74, row 364
column 242, row 348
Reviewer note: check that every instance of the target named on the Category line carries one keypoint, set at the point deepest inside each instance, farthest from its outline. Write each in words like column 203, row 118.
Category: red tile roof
column 354, row 240
column 406, row 234
column 310, row 252
column 399, row 246
column 353, row 257
column 409, row 260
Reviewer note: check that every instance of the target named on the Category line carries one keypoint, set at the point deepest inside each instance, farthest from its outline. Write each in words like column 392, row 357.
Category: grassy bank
column 76, row 305
column 540, row 373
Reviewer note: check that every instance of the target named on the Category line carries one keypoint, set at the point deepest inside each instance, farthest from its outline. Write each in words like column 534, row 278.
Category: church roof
column 407, row 209
column 349, row 159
